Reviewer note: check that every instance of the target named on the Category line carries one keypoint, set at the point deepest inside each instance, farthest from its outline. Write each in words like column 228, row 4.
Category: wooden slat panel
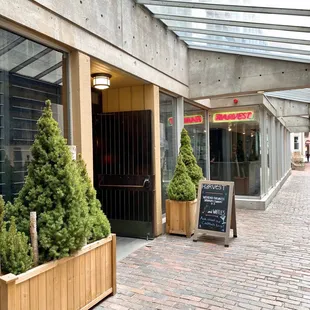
column 17, row 292
column 50, row 290
column 103, row 271
column 82, row 280
column 34, row 293
column 76, row 281
column 57, row 288
column 88, row 277
column 93, row 274
column 108, row 266
column 98, row 273
column 25, row 296
column 137, row 98
column 70, row 296
column 125, row 99
column 3, row 296
column 42, row 291
column 63, row 287
column 113, row 100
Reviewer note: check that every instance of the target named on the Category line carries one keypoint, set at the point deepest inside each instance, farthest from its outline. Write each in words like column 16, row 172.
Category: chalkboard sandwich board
column 216, row 211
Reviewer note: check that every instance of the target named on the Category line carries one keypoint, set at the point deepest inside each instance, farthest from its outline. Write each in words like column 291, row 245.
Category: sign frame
column 231, row 221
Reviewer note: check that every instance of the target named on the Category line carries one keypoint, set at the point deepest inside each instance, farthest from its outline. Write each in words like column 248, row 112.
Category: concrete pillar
column 264, row 176
column 151, row 93
column 282, row 151
column 278, row 142
column 273, row 150
column 179, row 121
column 207, row 128
column 81, row 107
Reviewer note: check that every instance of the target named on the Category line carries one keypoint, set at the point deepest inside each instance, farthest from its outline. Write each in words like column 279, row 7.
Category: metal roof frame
column 239, row 35
column 227, row 7
column 31, row 60
column 11, row 45
column 49, row 70
column 244, row 45
column 213, row 21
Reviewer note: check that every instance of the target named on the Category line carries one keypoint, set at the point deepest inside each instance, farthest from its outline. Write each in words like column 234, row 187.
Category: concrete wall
column 119, row 33
column 213, row 74
column 145, row 97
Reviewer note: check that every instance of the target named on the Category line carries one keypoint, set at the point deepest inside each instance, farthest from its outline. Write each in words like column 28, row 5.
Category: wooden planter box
column 180, row 217
column 76, row 282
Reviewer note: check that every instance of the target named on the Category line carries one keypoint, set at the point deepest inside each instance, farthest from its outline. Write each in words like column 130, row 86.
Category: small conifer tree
column 53, row 188
column 15, row 251
column 99, row 224
column 189, row 159
column 181, row 187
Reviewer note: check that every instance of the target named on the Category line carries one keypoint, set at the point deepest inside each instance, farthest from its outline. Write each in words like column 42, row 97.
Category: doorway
column 123, row 171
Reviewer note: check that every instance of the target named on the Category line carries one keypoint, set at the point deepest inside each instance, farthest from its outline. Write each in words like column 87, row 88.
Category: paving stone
column 266, row 267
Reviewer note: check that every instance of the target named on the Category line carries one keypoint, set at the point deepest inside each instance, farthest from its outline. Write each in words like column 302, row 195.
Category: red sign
column 189, row 120
column 241, row 116
column 307, row 142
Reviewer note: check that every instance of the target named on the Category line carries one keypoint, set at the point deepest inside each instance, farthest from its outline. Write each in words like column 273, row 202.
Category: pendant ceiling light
column 101, row 80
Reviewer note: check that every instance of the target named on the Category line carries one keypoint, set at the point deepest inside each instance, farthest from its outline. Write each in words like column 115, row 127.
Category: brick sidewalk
column 267, row 267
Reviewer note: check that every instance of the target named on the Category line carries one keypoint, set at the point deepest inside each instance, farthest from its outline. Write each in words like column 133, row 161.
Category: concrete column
column 179, row 121
column 264, row 176
column 278, row 142
column 151, row 93
column 273, row 150
column 81, row 107
column 207, row 128
column 282, row 151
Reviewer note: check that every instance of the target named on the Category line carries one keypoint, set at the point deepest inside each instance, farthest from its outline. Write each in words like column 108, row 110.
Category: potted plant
column 298, row 162
column 189, row 159
column 181, row 205
column 70, row 236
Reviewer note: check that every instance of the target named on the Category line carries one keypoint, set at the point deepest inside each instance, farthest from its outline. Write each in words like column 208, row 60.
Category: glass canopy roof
column 277, row 29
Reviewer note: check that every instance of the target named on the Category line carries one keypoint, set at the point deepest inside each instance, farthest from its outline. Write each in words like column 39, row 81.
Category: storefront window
column 168, row 142
column 30, row 73
column 195, row 124
column 235, row 149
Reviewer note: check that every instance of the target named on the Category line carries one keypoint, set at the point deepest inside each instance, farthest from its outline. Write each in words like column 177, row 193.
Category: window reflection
column 235, row 149
column 30, row 73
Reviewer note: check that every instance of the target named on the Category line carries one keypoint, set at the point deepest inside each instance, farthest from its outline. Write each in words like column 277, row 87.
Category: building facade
column 129, row 134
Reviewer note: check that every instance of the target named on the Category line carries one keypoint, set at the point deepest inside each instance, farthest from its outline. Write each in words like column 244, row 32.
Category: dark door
column 123, row 171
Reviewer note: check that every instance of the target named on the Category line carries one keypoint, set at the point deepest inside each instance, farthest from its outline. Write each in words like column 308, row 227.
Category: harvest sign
column 189, row 120
column 241, row 116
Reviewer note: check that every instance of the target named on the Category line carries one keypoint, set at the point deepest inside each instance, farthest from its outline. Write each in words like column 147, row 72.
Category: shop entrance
column 123, row 171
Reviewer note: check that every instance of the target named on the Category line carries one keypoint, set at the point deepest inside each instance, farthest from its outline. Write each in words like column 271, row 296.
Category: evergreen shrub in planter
column 72, row 274
column 181, row 205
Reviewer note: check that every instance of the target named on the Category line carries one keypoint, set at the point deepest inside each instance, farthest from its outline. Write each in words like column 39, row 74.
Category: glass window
column 235, row 148
column 168, row 142
column 195, row 124
column 296, row 143
column 30, row 73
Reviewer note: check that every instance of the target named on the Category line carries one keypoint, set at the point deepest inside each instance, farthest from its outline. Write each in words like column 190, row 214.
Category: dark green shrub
column 15, row 251
column 54, row 189
column 181, row 187
column 99, row 224
column 193, row 170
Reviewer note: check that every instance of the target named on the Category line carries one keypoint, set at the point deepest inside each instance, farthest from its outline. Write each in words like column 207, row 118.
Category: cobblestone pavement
column 266, row 267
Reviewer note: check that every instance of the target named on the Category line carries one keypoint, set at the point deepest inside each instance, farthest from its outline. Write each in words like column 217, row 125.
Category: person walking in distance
column 307, row 155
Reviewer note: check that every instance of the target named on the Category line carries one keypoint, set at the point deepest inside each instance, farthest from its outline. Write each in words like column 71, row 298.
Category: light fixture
column 101, row 80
